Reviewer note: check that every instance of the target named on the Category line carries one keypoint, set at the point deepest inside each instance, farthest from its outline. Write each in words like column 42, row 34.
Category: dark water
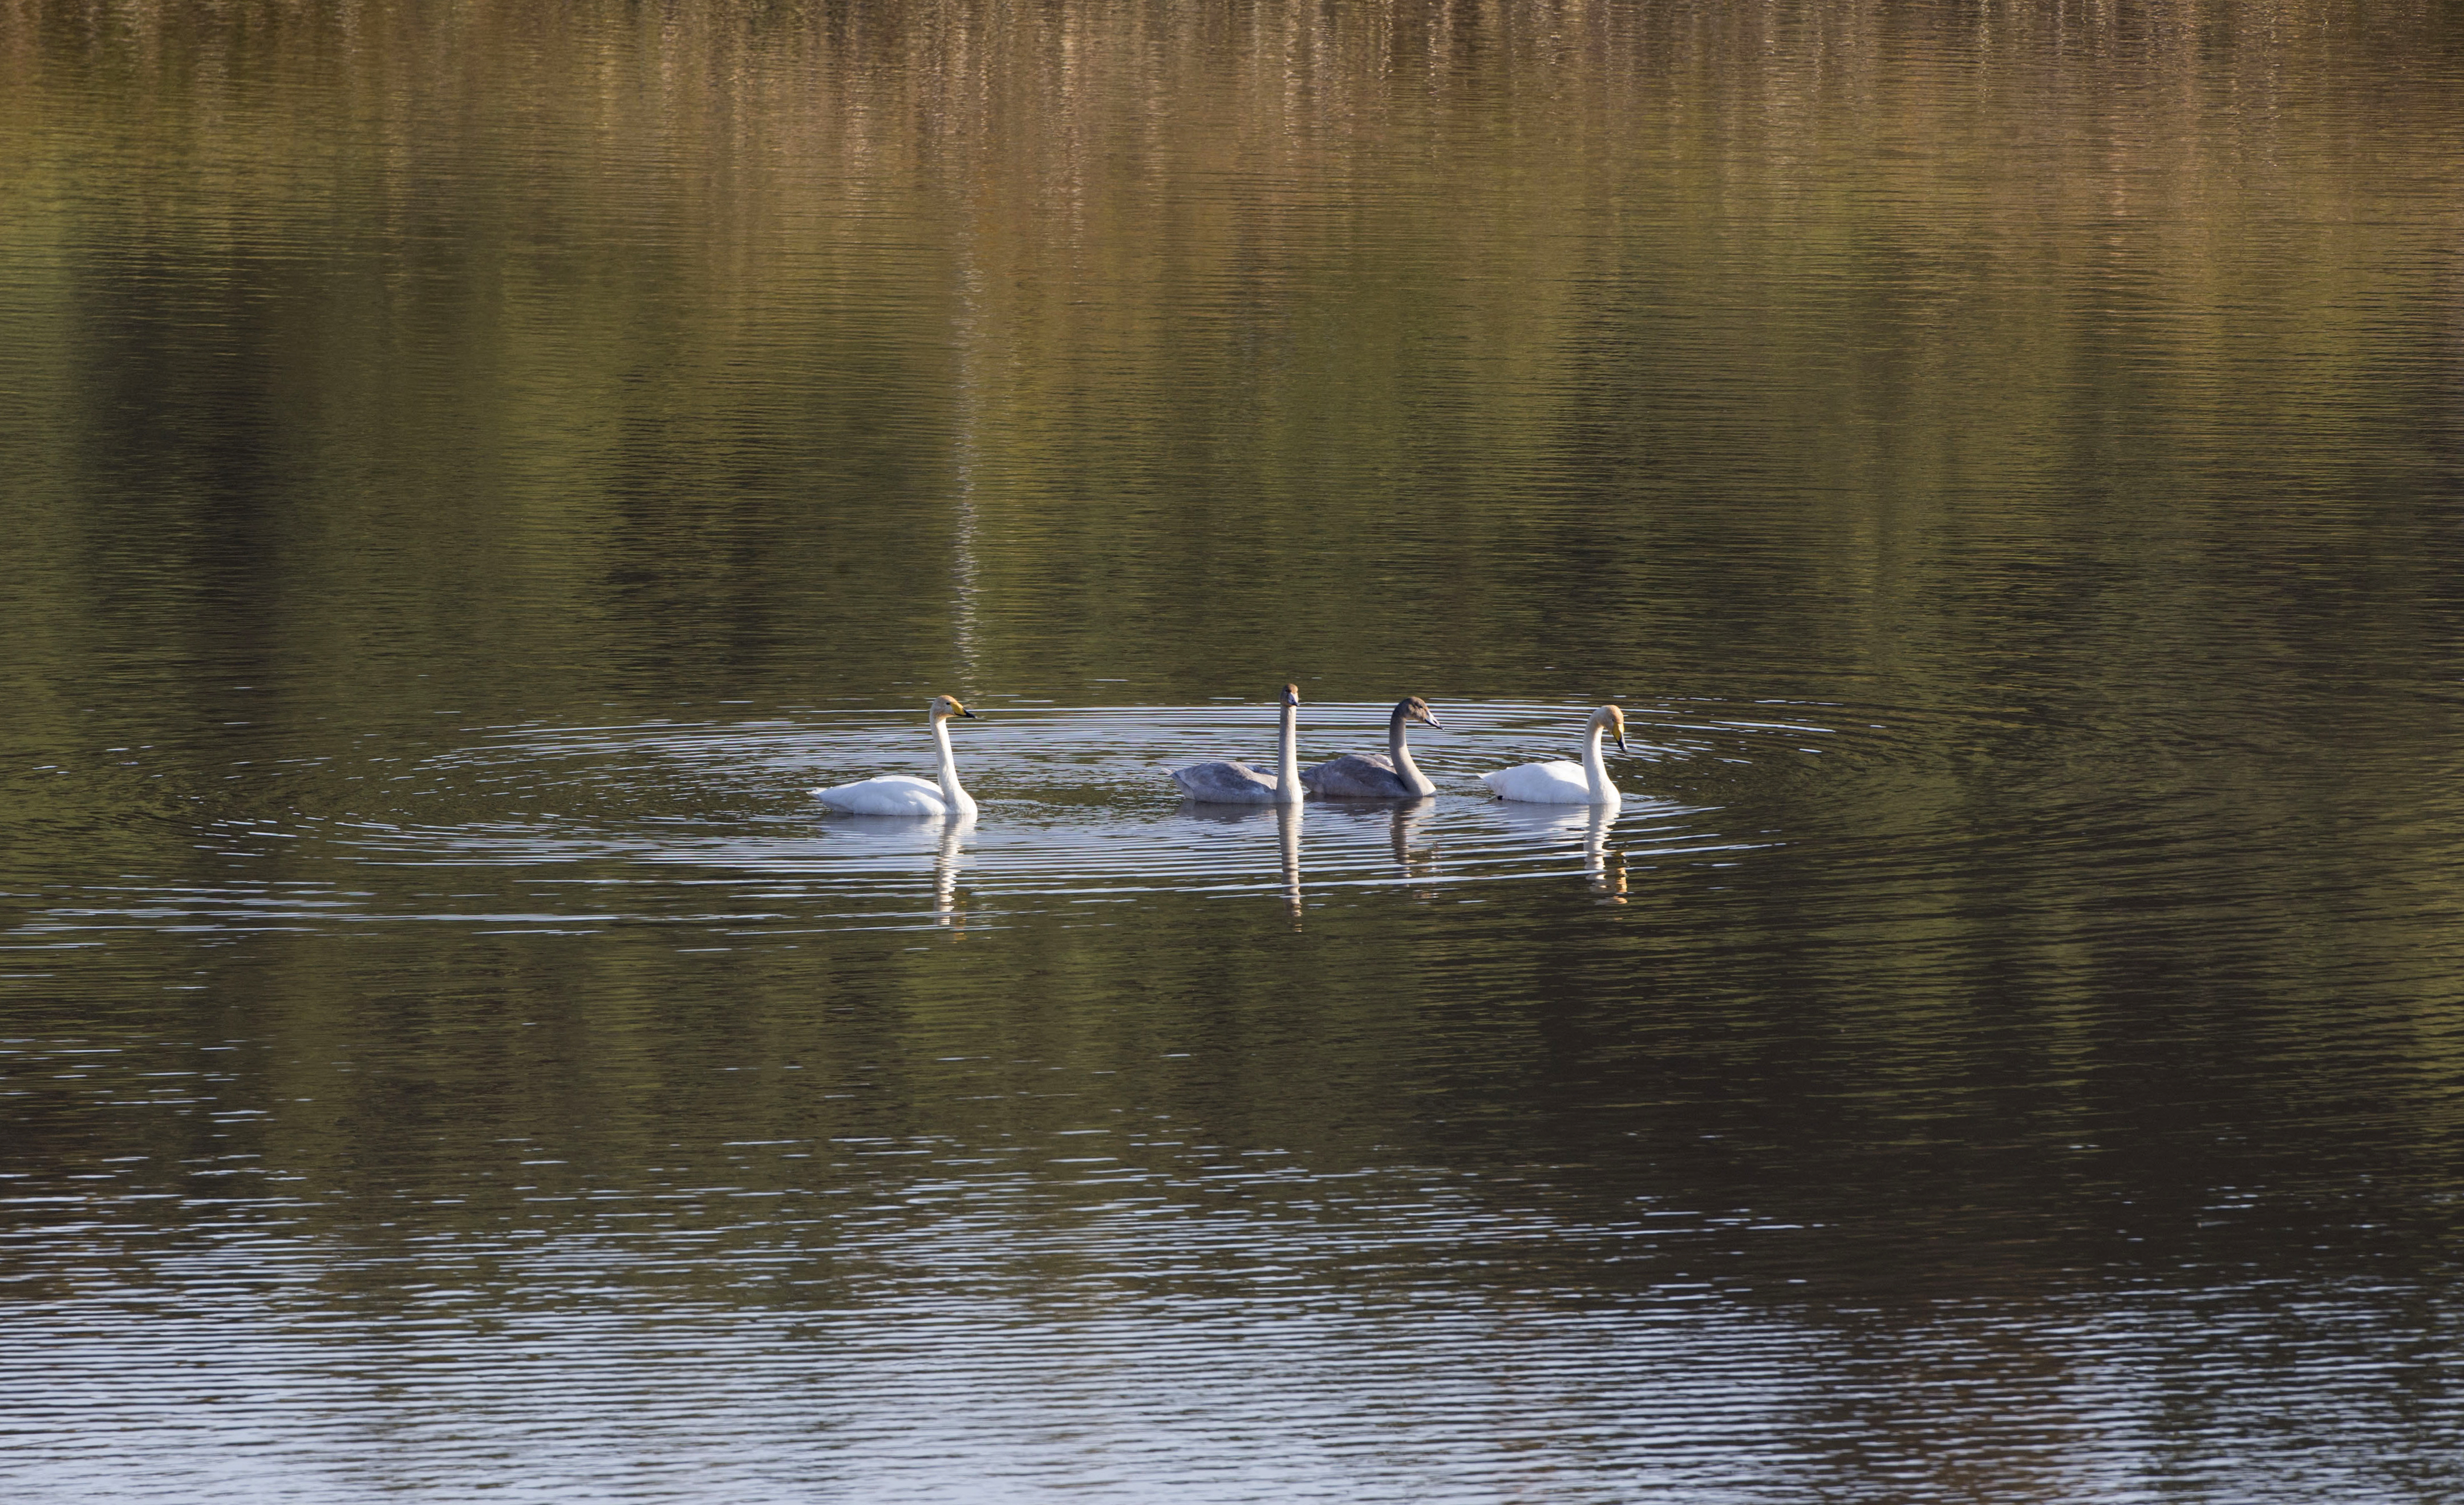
column 467, row 473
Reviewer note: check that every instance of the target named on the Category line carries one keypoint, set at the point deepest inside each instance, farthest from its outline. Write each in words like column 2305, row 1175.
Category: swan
column 904, row 794
column 1232, row 782
column 1390, row 775
column 1564, row 783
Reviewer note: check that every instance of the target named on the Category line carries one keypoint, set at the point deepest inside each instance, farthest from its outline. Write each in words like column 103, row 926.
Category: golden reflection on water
column 464, row 461
column 1091, row 316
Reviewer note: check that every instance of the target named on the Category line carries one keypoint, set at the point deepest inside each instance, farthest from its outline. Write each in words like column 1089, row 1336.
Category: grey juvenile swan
column 1235, row 783
column 1390, row 775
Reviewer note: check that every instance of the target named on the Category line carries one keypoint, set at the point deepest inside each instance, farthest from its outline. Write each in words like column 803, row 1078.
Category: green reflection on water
column 2063, row 409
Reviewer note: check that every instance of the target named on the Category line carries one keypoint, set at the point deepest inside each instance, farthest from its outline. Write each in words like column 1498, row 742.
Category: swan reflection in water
column 1288, row 838
column 897, row 835
column 1288, row 831
column 1406, row 825
column 1407, row 829
column 1603, row 868
column 946, row 912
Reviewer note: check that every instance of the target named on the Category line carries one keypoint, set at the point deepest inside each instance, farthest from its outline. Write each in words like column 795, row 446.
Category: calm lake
column 469, row 471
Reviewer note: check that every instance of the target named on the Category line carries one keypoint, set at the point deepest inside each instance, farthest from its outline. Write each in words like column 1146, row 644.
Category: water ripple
column 606, row 824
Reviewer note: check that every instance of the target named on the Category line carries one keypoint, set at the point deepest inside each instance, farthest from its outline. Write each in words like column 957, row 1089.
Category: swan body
column 904, row 794
column 1390, row 775
column 891, row 794
column 1234, row 782
column 1561, row 783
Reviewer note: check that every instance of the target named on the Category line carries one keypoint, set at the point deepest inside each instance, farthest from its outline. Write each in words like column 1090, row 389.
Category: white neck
column 1288, row 758
column 1404, row 767
column 1595, row 769
column 961, row 803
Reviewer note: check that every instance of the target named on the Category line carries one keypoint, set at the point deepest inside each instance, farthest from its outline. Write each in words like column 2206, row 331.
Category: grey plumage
column 1230, row 782
column 1226, row 782
column 1390, row 775
column 1358, row 775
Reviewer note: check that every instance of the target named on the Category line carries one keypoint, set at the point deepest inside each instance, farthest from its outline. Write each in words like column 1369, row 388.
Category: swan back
column 889, row 794
column 1541, row 784
column 1359, row 776
column 1225, row 783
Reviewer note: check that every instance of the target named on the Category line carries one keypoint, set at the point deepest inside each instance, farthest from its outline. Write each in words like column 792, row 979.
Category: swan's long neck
column 1595, row 769
column 1404, row 767
column 1288, row 758
column 961, row 803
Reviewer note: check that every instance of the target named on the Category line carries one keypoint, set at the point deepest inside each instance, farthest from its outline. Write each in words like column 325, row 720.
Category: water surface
column 469, row 475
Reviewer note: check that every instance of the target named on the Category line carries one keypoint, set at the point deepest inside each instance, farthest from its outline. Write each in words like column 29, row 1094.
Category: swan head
column 1613, row 719
column 945, row 706
column 1292, row 694
column 1412, row 708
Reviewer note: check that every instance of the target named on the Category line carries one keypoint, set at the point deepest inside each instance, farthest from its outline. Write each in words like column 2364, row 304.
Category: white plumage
column 1561, row 783
column 904, row 794
column 889, row 794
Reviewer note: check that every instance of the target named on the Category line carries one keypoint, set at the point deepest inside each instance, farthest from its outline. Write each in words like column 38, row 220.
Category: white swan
column 1565, row 783
column 904, row 794
column 1390, row 775
column 1234, row 782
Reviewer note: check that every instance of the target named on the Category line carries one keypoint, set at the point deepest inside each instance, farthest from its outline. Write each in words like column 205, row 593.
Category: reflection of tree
column 511, row 325
column 2070, row 367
